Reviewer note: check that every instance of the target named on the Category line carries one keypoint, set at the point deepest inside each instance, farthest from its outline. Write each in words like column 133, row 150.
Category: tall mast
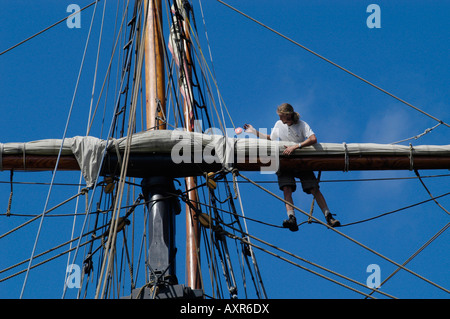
column 161, row 207
column 162, row 211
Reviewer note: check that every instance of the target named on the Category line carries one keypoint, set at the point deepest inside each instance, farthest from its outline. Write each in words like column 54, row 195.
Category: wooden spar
column 154, row 67
column 37, row 163
column 154, row 164
column 192, row 224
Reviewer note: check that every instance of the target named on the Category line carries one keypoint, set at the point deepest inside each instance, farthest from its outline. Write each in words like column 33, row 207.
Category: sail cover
column 187, row 147
column 87, row 150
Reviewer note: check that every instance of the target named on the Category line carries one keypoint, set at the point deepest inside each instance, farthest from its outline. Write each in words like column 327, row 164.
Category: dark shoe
column 331, row 221
column 291, row 223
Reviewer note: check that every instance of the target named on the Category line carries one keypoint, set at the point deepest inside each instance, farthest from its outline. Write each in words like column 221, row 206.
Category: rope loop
column 1, row 157
column 346, row 158
column 411, row 157
column 8, row 211
column 24, row 157
column 235, row 172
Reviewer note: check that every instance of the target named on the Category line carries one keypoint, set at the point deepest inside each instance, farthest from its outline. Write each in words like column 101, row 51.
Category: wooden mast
column 154, row 67
column 155, row 101
column 192, row 224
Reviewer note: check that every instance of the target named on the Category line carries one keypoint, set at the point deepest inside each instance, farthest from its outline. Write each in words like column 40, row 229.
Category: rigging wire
column 42, row 183
column 349, row 238
column 113, row 123
column 241, row 203
column 124, row 166
column 45, row 261
column 395, row 211
column 342, row 225
column 429, row 193
column 60, row 150
column 252, row 255
column 245, row 217
column 107, row 76
column 335, row 64
column 94, row 80
column 427, row 243
column 293, row 255
column 440, row 232
column 415, row 254
column 82, row 192
column 90, row 111
column 355, row 180
column 428, row 130
column 48, row 28
column 201, row 57
column 256, row 181
column 46, row 252
column 246, row 241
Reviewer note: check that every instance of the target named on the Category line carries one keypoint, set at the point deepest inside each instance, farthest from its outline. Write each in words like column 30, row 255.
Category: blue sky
column 257, row 70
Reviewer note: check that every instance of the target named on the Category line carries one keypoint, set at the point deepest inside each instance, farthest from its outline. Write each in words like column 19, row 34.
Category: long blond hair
column 287, row 109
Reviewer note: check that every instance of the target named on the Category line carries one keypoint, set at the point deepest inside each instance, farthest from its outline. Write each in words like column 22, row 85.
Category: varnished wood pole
column 192, row 224
column 154, row 164
column 154, row 67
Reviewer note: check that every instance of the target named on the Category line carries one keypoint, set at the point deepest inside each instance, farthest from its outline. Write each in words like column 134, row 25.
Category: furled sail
column 183, row 149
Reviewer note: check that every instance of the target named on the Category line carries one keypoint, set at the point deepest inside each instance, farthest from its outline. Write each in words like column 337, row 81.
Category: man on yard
column 291, row 128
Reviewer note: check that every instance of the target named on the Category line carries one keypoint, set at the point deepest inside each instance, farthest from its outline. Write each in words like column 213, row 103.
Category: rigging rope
column 238, row 194
column 8, row 210
column 428, row 130
column 244, row 241
column 335, row 64
column 415, row 254
column 297, row 257
column 212, row 65
column 44, row 213
column 201, row 58
column 94, row 81
column 87, row 133
column 108, row 74
column 48, row 28
column 46, row 252
column 111, row 128
column 429, row 193
column 107, row 261
column 349, row 238
column 395, row 211
column 228, row 225
column 342, row 225
column 60, row 150
column 221, row 246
